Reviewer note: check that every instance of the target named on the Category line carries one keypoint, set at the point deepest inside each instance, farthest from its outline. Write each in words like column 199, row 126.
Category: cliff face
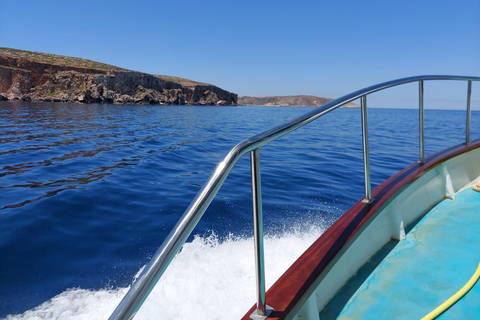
column 32, row 76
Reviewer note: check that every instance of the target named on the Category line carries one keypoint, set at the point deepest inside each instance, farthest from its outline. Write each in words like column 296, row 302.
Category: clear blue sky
column 259, row 48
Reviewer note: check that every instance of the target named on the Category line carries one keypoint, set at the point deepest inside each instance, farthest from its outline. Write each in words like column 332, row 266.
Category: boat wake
column 209, row 279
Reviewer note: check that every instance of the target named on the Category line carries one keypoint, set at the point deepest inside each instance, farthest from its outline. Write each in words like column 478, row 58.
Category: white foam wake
column 209, row 279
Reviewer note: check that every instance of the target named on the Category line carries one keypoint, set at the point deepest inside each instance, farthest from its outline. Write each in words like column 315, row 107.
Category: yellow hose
column 476, row 187
column 457, row 296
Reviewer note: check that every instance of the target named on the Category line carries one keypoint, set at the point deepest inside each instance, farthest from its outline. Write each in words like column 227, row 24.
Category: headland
column 34, row 76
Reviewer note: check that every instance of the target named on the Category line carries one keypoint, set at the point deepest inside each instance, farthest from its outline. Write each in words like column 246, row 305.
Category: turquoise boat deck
column 436, row 259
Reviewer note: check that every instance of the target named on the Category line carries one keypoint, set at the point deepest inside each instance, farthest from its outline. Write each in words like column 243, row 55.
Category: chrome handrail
column 164, row 255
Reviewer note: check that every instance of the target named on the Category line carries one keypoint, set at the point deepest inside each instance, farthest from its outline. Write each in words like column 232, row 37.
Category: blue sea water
column 89, row 192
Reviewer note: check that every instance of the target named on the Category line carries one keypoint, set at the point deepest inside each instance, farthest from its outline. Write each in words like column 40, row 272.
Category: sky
column 263, row 47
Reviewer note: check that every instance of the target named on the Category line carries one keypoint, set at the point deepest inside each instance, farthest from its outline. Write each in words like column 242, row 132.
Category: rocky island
column 34, row 76
column 288, row 101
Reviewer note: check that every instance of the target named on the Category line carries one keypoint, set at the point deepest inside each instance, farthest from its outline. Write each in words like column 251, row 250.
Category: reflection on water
column 54, row 135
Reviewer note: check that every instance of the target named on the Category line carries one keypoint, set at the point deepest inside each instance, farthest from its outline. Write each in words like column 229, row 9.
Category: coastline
column 41, row 77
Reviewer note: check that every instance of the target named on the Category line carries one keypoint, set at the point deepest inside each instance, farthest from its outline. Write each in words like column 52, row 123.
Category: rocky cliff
column 33, row 76
column 288, row 101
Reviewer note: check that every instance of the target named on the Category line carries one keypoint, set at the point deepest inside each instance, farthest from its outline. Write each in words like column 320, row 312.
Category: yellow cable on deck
column 457, row 296
column 477, row 187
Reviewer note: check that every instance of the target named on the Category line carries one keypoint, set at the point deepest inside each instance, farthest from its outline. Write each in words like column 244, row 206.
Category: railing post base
column 368, row 201
column 256, row 316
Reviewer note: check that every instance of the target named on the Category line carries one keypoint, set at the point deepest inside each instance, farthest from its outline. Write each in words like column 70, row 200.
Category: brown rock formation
column 32, row 76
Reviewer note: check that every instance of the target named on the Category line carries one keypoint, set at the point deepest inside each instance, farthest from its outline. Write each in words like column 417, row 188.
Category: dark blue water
column 89, row 192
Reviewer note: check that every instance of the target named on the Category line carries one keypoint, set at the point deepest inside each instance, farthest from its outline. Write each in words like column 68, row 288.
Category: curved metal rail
column 164, row 255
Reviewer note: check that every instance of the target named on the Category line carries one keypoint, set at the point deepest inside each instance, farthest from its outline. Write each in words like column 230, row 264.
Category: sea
column 89, row 192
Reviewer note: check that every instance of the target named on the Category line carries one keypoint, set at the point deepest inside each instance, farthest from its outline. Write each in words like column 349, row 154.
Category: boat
column 353, row 265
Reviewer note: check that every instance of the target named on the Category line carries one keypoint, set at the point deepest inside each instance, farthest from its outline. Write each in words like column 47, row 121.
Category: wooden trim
column 294, row 283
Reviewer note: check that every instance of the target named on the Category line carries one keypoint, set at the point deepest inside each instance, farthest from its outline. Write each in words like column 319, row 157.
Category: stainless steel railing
column 164, row 255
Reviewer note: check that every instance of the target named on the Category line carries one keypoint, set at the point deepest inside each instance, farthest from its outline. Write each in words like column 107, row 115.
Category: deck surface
column 435, row 260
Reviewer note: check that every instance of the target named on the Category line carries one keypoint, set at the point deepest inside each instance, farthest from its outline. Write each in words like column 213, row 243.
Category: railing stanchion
column 366, row 152
column 262, row 309
column 421, row 122
column 469, row 112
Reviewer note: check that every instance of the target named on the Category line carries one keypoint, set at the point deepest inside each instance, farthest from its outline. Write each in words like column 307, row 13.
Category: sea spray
column 209, row 279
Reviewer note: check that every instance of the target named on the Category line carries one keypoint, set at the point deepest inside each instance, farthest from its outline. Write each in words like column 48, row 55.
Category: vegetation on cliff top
column 49, row 58
column 182, row 81
column 55, row 59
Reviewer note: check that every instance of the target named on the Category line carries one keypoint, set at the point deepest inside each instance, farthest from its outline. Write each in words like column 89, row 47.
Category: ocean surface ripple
column 89, row 192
